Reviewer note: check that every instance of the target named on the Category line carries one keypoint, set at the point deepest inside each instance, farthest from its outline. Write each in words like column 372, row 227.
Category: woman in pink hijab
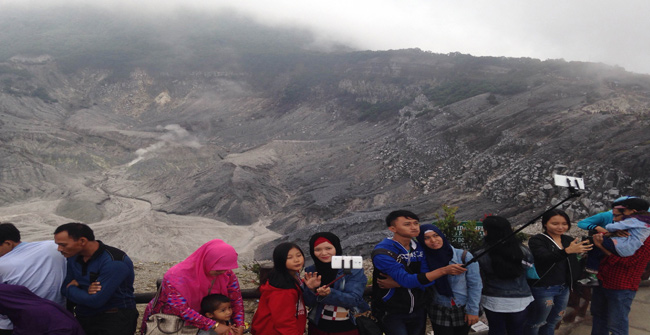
column 206, row 271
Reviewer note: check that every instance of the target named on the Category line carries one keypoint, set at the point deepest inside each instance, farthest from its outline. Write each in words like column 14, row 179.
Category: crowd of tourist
column 76, row 284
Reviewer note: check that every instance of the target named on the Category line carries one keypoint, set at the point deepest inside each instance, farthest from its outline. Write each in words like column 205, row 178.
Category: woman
column 206, row 271
column 334, row 304
column 506, row 293
column 456, row 299
column 557, row 266
column 31, row 314
column 281, row 310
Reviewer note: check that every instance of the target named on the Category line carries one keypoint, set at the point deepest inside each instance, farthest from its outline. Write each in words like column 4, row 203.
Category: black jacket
column 548, row 261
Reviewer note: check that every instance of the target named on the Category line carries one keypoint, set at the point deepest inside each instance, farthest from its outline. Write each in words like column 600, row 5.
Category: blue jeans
column 505, row 323
column 405, row 324
column 610, row 310
column 547, row 310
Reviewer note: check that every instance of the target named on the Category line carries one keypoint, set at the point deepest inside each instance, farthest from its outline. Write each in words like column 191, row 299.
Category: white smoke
column 174, row 135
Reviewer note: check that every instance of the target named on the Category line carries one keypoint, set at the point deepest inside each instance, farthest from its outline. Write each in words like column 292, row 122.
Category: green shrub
column 462, row 235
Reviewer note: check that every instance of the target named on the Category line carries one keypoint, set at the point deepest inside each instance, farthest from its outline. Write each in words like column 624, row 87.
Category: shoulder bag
column 169, row 324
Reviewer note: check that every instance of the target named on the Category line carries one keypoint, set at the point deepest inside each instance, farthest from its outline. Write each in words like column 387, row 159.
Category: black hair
column 280, row 276
column 555, row 212
column 392, row 216
column 76, row 231
column 506, row 257
column 637, row 204
column 9, row 232
column 211, row 302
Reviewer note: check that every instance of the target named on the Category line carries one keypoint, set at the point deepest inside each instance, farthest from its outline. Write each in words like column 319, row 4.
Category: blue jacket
column 408, row 270
column 639, row 231
column 466, row 287
column 505, row 288
column 598, row 220
column 113, row 269
column 346, row 292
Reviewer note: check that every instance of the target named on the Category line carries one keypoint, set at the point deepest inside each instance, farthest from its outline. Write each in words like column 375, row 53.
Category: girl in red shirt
column 281, row 310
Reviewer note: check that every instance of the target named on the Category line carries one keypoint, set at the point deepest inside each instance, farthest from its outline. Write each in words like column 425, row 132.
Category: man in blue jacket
column 99, row 281
column 401, row 275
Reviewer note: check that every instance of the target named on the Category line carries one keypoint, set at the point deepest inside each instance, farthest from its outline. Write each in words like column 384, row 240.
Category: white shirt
column 37, row 266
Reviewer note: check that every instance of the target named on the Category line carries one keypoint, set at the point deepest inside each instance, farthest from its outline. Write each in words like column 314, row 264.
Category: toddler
column 216, row 307
column 631, row 215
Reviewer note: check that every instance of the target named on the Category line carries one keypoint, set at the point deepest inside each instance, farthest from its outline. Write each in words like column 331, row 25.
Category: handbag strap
column 173, row 332
column 211, row 284
column 155, row 298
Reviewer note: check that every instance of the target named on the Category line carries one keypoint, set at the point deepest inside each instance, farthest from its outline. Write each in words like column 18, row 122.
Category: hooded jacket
column 548, row 256
column 281, row 311
column 407, row 268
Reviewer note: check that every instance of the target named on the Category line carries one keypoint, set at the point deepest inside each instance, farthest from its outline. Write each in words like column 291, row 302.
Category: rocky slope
column 309, row 141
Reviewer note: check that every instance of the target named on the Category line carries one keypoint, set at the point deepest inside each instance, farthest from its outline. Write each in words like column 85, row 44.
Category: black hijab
column 325, row 269
column 437, row 258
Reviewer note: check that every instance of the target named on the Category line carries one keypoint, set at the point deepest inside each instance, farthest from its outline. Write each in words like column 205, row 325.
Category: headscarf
column 31, row 314
column 437, row 258
column 190, row 277
column 325, row 269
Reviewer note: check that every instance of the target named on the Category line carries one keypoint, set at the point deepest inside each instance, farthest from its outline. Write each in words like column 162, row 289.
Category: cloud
column 613, row 32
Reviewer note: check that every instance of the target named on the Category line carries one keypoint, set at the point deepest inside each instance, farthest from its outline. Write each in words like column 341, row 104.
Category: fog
column 615, row 33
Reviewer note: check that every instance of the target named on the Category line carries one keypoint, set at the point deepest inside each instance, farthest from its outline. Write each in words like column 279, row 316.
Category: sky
column 606, row 31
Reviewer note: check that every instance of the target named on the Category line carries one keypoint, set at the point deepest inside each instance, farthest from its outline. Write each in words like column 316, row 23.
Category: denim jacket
column 346, row 292
column 493, row 286
column 466, row 287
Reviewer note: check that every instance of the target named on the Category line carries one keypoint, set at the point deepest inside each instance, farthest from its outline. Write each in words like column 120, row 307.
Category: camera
column 347, row 262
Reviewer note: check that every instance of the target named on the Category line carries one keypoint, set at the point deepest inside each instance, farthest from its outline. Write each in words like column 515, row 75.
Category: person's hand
column 72, row 283
column 577, row 247
column 223, row 329
column 387, row 283
column 620, row 233
column 598, row 240
column 454, row 269
column 600, row 229
column 238, row 330
column 94, row 288
column 471, row 319
column 312, row 280
column 323, row 291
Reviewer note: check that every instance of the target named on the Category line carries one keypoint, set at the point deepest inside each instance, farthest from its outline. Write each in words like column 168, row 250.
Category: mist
column 614, row 33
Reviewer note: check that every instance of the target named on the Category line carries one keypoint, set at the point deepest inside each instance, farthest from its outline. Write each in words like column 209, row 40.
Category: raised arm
column 596, row 221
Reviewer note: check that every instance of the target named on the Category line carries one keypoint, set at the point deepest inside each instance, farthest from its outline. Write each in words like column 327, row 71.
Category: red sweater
column 280, row 312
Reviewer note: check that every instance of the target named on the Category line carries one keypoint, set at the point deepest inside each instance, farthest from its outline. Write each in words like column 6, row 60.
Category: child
column 632, row 216
column 281, row 310
column 216, row 307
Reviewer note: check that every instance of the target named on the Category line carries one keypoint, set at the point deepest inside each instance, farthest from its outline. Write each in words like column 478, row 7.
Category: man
column 99, row 281
column 35, row 265
column 402, row 306
column 619, row 277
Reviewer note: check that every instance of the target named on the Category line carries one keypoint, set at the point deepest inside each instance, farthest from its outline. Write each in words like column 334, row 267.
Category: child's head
column 216, row 307
column 288, row 258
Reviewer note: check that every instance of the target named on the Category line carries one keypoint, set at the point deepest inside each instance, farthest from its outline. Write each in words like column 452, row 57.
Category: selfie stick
column 335, row 280
column 573, row 193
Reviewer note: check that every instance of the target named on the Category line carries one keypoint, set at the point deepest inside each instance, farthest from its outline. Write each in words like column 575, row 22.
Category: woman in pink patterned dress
column 206, row 271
